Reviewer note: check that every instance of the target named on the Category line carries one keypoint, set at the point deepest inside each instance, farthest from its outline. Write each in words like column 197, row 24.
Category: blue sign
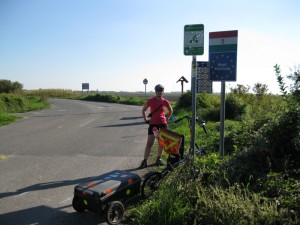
column 85, row 86
column 222, row 66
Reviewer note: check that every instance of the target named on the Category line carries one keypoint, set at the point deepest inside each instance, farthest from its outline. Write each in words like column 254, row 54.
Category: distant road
column 46, row 153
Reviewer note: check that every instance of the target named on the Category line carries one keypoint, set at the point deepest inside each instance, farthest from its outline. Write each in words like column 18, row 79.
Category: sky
column 115, row 44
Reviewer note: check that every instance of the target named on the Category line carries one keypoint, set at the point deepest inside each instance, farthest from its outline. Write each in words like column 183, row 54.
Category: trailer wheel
column 77, row 205
column 115, row 213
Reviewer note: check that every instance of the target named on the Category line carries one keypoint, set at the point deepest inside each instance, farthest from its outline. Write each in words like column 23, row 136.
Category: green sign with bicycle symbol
column 193, row 39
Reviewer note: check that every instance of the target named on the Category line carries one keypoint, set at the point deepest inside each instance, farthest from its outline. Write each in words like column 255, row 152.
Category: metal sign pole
column 222, row 119
column 194, row 97
column 145, row 82
column 193, row 45
column 223, row 62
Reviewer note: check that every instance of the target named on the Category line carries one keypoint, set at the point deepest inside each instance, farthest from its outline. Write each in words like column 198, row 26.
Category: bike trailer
column 113, row 187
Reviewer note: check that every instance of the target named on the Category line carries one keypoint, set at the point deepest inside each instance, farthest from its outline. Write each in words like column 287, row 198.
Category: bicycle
column 153, row 179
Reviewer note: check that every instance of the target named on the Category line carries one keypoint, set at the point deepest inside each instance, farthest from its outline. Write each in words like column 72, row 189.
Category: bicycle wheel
column 151, row 184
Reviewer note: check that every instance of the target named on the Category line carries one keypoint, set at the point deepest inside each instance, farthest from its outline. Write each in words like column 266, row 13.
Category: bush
column 282, row 138
column 12, row 103
column 208, row 105
column 234, row 108
column 197, row 203
column 102, row 98
column 132, row 101
column 235, row 205
column 184, row 102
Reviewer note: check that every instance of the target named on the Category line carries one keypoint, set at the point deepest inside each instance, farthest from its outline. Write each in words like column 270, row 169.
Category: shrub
column 208, row 105
column 102, row 98
column 197, row 203
column 132, row 101
column 12, row 103
column 234, row 108
column 184, row 102
column 282, row 138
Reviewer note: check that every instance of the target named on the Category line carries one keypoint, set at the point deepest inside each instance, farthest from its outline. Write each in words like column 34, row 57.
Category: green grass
column 10, row 103
column 6, row 119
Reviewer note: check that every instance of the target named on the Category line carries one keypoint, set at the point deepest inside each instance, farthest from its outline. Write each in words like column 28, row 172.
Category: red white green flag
column 224, row 41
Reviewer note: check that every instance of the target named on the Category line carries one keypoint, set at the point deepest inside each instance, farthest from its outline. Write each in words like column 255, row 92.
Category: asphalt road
column 46, row 153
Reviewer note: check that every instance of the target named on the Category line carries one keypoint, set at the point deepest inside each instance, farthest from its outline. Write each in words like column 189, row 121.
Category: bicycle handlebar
column 203, row 123
column 178, row 120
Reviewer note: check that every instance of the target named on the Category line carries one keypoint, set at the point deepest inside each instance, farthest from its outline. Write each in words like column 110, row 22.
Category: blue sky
column 114, row 44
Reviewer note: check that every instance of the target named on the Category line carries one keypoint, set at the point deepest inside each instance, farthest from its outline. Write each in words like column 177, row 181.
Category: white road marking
column 24, row 193
column 66, row 200
column 86, row 123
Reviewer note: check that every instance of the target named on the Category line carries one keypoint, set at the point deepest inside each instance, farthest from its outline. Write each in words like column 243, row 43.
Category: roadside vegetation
column 256, row 182
column 14, row 100
column 258, row 179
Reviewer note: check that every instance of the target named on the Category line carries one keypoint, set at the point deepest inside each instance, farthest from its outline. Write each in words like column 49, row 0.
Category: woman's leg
column 150, row 142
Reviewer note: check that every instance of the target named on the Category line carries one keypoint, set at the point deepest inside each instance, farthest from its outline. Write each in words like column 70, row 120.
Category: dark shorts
column 157, row 126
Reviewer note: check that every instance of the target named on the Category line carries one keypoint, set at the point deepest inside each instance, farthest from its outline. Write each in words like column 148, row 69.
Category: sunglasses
column 159, row 90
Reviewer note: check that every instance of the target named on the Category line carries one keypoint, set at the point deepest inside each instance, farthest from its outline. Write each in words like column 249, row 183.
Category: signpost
column 145, row 81
column 182, row 79
column 85, row 86
column 223, row 58
column 193, row 45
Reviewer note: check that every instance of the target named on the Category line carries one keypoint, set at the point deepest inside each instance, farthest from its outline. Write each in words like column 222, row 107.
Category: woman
column 158, row 119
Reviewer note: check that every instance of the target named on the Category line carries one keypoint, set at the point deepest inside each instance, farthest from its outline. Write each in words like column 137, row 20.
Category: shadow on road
column 45, row 186
column 138, row 169
column 127, row 124
column 132, row 118
column 124, row 124
column 43, row 215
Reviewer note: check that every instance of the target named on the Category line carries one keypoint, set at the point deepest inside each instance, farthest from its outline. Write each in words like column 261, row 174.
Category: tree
column 6, row 86
column 295, row 77
column 240, row 89
column 260, row 88
column 280, row 80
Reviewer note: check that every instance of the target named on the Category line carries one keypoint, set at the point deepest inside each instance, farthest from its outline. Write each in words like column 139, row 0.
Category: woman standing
column 158, row 119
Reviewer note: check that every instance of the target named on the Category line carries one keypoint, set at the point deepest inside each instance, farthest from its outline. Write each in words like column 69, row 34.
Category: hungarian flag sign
column 170, row 141
column 223, row 55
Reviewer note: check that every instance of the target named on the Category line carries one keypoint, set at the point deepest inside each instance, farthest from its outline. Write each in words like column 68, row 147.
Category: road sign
column 203, row 83
column 223, row 55
column 193, row 39
column 145, row 81
column 85, row 86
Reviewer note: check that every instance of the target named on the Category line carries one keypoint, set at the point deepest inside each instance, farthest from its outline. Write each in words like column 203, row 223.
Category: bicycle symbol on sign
column 194, row 39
